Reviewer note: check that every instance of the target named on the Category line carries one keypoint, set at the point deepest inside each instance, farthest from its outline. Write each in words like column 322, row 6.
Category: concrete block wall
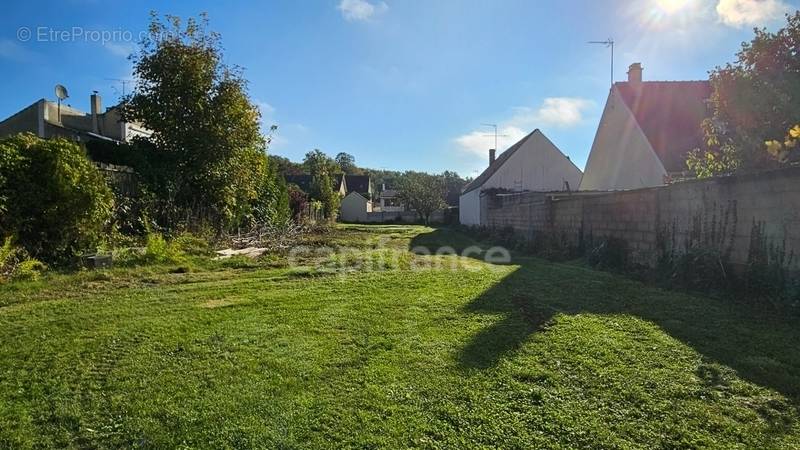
column 728, row 204
column 401, row 216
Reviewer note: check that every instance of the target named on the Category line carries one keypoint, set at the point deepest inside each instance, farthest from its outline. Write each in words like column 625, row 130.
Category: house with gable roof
column 645, row 133
column 532, row 164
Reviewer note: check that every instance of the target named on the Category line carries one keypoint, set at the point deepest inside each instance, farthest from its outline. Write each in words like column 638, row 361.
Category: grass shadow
column 758, row 345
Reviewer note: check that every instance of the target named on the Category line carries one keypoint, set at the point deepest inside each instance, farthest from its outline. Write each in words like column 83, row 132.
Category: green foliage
column 322, row 168
column 271, row 206
column 192, row 245
column 57, row 203
column 202, row 118
column 16, row 265
column 347, row 163
column 28, row 270
column 158, row 251
column 423, row 192
column 700, row 260
column 754, row 100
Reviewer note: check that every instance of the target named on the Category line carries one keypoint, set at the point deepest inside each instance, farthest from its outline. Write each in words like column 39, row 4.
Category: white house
column 354, row 208
column 532, row 164
column 645, row 132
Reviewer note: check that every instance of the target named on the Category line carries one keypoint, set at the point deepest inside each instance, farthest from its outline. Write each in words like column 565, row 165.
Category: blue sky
column 400, row 84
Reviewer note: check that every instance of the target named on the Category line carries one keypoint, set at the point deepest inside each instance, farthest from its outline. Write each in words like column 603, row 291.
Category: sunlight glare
column 671, row 6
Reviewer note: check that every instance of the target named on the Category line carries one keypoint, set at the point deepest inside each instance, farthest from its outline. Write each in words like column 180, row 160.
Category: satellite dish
column 61, row 92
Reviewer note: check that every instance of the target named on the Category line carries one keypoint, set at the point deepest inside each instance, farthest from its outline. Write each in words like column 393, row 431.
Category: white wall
column 536, row 166
column 469, row 208
column 354, row 208
column 621, row 156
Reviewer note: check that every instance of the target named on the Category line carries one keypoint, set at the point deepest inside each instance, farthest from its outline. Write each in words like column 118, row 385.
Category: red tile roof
column 670, row 114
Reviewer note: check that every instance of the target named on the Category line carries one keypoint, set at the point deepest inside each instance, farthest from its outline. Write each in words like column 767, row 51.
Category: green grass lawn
column 365, row 353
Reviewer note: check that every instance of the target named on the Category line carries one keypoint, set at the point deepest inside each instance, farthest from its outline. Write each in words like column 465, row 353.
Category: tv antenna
column 61, row 94
column 608, row 43
column 494, row 125
column 123, row 81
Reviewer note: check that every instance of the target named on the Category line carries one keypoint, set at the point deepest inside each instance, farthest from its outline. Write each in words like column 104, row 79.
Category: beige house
column 532, row 164
column 646, row 130
column 47, row 120
column 354, row 208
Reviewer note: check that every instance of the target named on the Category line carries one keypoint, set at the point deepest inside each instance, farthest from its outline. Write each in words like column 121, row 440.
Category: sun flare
column 671, row 6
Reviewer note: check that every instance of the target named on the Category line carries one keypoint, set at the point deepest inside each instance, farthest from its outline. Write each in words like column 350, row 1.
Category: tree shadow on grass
column 760, row 346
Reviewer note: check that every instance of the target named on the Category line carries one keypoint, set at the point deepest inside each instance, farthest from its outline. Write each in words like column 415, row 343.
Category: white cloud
column 123, row 49
column 741, row 13
column 480, row 141
column 361, row 10
column 559, row 112
column 266, row 109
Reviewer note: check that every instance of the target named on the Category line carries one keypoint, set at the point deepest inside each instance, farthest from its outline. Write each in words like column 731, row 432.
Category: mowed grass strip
column 529, row 355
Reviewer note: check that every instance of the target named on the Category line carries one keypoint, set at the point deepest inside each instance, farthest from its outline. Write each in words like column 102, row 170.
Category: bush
column 159, row 251
column 193, row 245
column 15, row 264
column 28, row 270
column 56, row 201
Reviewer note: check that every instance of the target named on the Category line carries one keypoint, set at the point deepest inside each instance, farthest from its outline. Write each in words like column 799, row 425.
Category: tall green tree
column 423, row 192
column 322, row 169
column 200, row 113
column 347, row 163
column 754, row 100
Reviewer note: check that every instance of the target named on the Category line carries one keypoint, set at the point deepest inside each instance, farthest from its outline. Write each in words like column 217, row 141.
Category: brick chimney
column 635, row 73
column 96, row 103
column 492, row 154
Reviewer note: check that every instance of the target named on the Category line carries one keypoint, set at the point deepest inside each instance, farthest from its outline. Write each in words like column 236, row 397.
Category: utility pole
column 608, row 43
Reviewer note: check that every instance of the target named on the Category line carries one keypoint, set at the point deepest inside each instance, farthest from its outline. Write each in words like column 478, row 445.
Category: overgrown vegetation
column 214, row 167
column 56, row 204
column 754, row 100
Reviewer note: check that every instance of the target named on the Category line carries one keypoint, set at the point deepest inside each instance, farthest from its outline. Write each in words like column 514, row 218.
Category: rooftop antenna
column 122, row 81
column 61, row 94
column 608, row 43
column 494, row 125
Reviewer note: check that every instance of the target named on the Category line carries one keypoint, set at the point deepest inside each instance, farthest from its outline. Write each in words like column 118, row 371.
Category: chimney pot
column 492, row 154
column 635, row 73
column 96, row 103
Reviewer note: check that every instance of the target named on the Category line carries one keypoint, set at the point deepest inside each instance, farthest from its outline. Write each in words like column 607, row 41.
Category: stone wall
column 723, row 209
column 401, row 216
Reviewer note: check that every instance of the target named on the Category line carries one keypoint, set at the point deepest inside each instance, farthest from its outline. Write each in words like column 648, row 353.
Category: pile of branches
column 271, row 237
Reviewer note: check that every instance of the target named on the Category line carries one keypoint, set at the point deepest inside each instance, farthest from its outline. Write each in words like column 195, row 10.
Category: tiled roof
column 358, row 183
column 670, row 114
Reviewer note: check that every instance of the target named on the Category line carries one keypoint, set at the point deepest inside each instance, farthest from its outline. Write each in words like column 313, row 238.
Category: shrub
column 57, row 202
column 15, row 264
column 159, row 251
column 28, row 270
column 193, row 245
